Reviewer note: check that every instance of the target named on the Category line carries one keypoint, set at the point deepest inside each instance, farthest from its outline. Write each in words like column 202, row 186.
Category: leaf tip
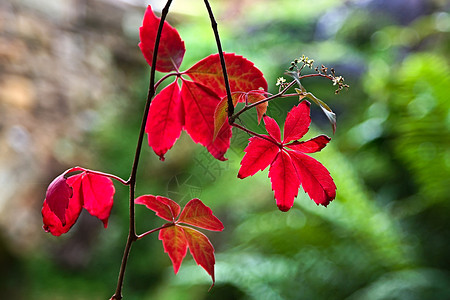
column 284, row 208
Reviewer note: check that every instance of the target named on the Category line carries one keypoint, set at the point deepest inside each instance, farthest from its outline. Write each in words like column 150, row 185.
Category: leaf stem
column 132, row 237
column 140, row 236
column 122, row 181
column 256, row 134
column 222, row 61
column 247, row 107
column 164, row 78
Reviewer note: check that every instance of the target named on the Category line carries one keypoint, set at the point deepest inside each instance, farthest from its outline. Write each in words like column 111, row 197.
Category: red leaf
column 258, row 155
column 196, row 213
column 164, row 208
column 52, row 223
column 58, row 196
column 310, row 146
column 315, row 178
column 175, row 244
column 243, row 76
column 297, row 122
column 272, row 128
column 171, row 47
column 201, row 249
column 165, row 119
column 199, row 105
column 98, row 192
column 219, row 146
column 284, row 180
column 221, row 114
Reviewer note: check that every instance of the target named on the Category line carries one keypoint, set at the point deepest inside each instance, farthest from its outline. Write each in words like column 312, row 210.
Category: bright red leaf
column 285, row 183
column 165, row 119
column 289, row 167
column 177, row 238
column 258, row 155
column 61, row 208
column 171, row 47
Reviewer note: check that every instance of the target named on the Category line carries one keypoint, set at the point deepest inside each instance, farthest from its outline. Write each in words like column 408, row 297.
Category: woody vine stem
column 132, row 237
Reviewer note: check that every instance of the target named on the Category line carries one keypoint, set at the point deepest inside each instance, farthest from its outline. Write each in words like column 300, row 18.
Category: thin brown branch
column 222, row 61
column 132, row 180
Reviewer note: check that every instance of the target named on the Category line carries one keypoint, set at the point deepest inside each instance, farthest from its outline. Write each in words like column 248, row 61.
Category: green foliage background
column 386, row 236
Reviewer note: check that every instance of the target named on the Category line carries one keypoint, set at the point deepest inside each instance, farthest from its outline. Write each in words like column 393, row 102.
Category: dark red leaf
column 196, row 213
column 310, row 146
column 284, row 180
column 243, row 76
column 52, row 223
column 297, row 122
column 201, row 249
column 219, row 146
column 164, row 208
column 165, row 119
column 199, row 105
column 315, row 178
column 175, row 244
column 258, row 155
column 171, row 47
column 58, row 196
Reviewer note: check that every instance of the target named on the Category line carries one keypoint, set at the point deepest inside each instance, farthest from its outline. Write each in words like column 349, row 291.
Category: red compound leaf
column 289, row 167
column 177, row 238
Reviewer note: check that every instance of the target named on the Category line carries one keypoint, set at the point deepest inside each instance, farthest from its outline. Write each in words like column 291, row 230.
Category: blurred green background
column 72, row 89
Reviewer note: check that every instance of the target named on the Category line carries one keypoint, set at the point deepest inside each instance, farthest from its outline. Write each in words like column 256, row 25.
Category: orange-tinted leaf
column 196, row 213
column 165, row 119
column 255, row 96
column 201, row 249
column 175, row 244
column 243, row 76
column 221, row 113
column 164, row 208
column 171, row 47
